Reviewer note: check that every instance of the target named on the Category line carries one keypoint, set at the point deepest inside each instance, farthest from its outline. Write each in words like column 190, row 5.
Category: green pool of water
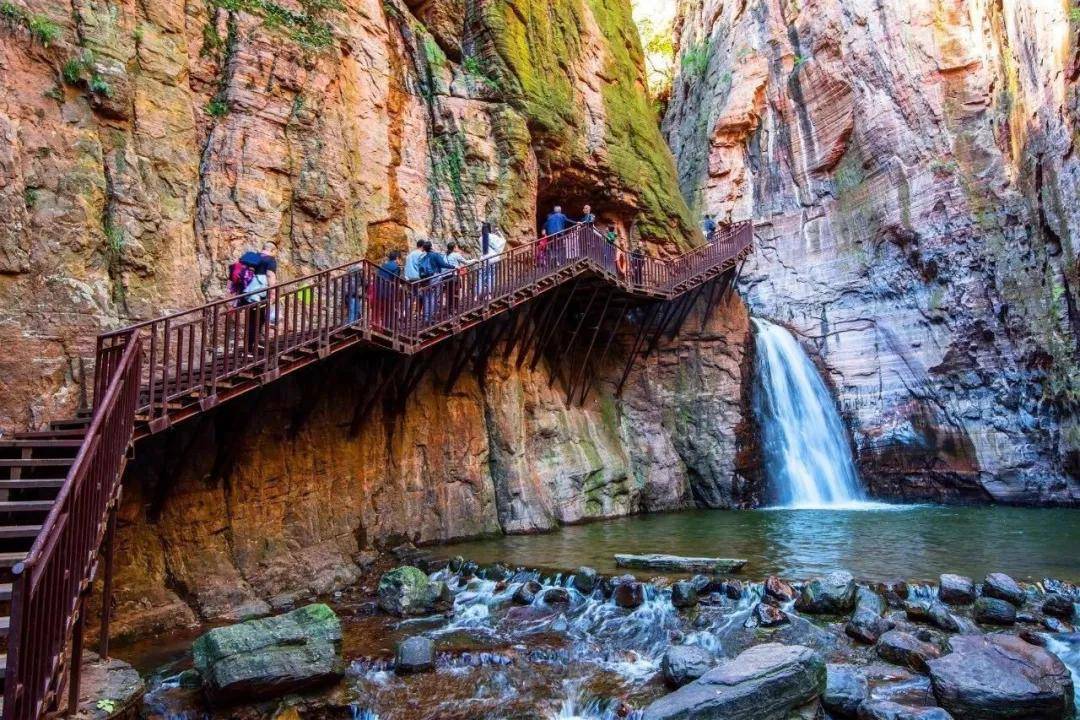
column 901, row 542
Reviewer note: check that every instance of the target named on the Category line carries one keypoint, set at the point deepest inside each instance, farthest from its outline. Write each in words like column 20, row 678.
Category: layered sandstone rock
column 911, row 167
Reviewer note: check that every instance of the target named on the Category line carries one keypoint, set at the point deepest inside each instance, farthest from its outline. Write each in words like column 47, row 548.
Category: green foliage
column 106, row 705
column 30, row 198
column 1074, row 14
column 56, row 92
column 801, row 60
column 114, row 238
column 475, row 70
column 217, row 107
column 44, row 30
column 306, row 28
column 72, row 71
column 40, row 27
column 695, row 59
column 99, row 86
column 433, row 53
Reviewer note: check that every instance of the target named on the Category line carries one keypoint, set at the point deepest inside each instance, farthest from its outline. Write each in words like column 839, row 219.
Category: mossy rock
column 407, row 591
column 269, row 657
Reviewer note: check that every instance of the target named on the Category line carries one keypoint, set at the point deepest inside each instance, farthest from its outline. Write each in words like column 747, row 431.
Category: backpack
column 426, row 266
column 258, row 282
column 242, row 271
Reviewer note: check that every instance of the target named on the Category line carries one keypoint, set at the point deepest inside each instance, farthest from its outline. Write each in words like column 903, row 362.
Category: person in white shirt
column 412, row 262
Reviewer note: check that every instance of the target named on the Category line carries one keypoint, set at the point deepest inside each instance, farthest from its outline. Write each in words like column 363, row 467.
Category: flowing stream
column 807, row 455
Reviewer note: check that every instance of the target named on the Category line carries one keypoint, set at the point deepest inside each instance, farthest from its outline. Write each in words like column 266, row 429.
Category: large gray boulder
column 845, row 690
column 268, row 657
column 866, row 624
column 886, row 710
column 901, row 648
column 833, row 594
column 682, row 664
column 765, row 682
column 414, row 655
column 407, row 591
column 1059, row 606
column 999, row 677
column 1003, row 587
column 956, row 589
column 993, row 611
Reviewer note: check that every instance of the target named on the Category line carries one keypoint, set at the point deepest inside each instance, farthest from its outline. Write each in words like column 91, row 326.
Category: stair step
column 8, row 532
column 69, row 424
column 46, row 434
column 25, row 506
column 41, row 443
column 10, row 559
column 5, row 592
column 35, row 462
column 31, row 484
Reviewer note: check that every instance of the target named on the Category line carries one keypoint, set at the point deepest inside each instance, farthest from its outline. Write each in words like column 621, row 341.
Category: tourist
column 454, row 255
column 587, row 217
column 353, row 288
column 542, row 251
column 708, row 225
column 412, row 262
column 493, row 244
column 556, row 222
column 610, row 238
column 264, row 275
column 454, row 283
column 637, row 264
column 432, row 265
column 389, row 271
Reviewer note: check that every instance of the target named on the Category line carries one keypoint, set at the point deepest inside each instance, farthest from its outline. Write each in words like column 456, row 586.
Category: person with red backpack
column 249, row 278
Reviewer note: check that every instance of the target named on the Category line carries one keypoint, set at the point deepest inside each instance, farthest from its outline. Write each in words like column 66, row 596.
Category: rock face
column 265, row 658
column 765, row 682
column 992, row 677
column 342, row 133
column 911, row 171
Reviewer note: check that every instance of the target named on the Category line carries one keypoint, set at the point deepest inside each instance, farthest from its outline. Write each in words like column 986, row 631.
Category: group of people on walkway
column 439, row 281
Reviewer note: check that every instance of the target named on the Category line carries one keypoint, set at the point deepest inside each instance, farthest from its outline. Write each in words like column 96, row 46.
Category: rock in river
column 415, row 654
column 779, row 589
column 1003, row 587
column 407, row 591
column 678, row 563
column 845, row 690
column 833, row 594
column 585, row 579
column 1000, row 677
column 264, row 658
column 1058, row 605
column 866, row 624
column 992, row 611
column 685, row 663
column 956, row 589
column 886, row 710
column 628, row 592
column 765, row 682
column 769, row 615
column 683, row 594
column 905, row 649
column 526, row 592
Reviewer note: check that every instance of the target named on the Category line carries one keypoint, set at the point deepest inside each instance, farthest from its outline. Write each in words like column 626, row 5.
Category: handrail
column 50, row 582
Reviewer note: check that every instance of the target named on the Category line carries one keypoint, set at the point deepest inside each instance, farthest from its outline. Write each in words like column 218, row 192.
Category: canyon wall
column 912, row 169
column 145, row 145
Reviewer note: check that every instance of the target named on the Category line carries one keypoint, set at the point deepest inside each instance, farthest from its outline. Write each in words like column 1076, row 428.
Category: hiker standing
column 587, row 217
column 432, row 265
column 708, row 225
column 258, row 271
column 385, row 278
column 457, row 259
column 637, row 264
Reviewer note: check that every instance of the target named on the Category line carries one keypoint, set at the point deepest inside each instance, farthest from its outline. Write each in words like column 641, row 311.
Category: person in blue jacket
column 556, row 222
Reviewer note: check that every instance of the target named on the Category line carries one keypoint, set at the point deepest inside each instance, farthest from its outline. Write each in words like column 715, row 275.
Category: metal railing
column 198, row 351
column 49, row 585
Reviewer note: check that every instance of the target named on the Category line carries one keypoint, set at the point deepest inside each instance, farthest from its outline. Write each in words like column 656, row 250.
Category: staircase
column 59, row 488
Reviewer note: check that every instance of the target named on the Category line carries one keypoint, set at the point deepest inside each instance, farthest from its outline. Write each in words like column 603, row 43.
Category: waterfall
column 807, row 455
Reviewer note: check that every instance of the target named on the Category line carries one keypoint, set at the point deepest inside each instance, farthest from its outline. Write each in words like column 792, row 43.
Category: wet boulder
column 585, row 580
column 733, row 589
column 895, row 592
column 1003, row 587
column 866, row 624
column 846, row 689
column 765, row 682
column 999, row 677
column 901, row 648
column 407, row 591
column 268, row 657
column 956, row 589
column 768, row 615
column 682, row 664
column 992, row 611
column 556, row 596
column 886, row 710
column 935, row 613
column 628, row 593
column 833, row 594
column 683, row 594
column 778, row 589
column 414, row 655
column 526, row 592
column 1058, row 605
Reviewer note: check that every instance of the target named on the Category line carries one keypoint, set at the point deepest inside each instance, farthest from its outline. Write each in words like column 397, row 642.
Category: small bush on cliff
column 695, row 60
column 217, row 108
column 99, row 86
column 44, row 30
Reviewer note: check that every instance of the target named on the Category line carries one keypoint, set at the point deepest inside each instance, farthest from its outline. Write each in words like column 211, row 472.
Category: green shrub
column 217, row 108
column 72, row 71
column 99, row 86
column 43, row 30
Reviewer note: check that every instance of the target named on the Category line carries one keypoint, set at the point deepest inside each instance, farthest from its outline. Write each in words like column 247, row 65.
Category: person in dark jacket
column 432, row 266
column 384, row 288
column 556, row 222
